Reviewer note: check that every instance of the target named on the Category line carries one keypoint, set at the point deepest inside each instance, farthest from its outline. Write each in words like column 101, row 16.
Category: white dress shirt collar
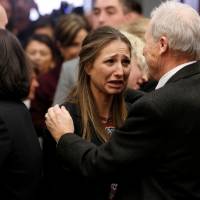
column 163, row 80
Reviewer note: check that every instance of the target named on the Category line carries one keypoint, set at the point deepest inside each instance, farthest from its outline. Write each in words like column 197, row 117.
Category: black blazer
column 20, row 153
column 155, row 155
column 62, row 181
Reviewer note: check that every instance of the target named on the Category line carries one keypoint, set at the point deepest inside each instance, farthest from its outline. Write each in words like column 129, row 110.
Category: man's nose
column 102, row 18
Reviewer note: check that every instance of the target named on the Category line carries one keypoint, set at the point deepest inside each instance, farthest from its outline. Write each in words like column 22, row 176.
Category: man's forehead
column 107, row 3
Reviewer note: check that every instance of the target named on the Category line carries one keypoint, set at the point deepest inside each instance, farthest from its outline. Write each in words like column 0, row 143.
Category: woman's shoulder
column 73, row 108
column 74, row 111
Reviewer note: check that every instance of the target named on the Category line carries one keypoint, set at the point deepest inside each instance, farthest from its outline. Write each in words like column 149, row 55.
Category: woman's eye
column 126, row 62
column 110, row 61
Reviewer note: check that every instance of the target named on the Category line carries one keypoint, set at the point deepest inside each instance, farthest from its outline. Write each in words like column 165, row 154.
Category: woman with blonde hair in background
column 135, row 31
column 139, row 69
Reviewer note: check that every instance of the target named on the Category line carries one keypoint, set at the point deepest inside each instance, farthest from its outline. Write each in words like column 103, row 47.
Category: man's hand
column 59, row 122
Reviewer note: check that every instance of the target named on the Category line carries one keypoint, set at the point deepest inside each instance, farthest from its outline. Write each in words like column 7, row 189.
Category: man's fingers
column 52, row 113
column 65, row 111
column 57, row 109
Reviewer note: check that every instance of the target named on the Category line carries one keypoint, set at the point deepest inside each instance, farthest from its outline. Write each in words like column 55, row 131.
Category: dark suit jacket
column 131, row 96
column 155, row 155
column 20, row 154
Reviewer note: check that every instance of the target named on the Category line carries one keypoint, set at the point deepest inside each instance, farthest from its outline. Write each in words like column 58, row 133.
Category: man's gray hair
column 180, row 23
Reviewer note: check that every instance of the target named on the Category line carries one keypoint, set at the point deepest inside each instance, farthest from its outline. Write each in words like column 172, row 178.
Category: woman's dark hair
column 43, row 21
column 14, row 67
column 67, row 28
column 45, row 39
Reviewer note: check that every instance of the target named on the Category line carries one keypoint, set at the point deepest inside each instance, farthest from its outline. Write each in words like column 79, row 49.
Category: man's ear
column 163, row 44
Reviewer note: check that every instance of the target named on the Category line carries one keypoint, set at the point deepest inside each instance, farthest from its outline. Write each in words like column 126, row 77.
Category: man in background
column 115, row 12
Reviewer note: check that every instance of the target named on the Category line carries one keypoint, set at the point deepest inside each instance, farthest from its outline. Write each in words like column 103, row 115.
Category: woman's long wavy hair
column 82, row 94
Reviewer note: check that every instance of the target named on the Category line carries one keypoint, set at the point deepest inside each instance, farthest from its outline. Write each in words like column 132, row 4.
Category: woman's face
column 41, row 55
column 73, row 50
column 110, row 70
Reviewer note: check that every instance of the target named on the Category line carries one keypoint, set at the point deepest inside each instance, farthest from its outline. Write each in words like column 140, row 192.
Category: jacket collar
column 185, row 72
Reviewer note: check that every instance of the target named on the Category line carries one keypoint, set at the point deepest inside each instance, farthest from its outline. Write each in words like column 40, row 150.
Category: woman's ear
column 88, row 68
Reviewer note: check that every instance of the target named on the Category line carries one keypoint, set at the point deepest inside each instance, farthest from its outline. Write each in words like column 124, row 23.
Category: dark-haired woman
column 20, row 153
column 42, row 51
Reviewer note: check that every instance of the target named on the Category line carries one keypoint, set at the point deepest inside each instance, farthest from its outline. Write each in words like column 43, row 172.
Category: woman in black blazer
column 20, row 154
column 97, row 107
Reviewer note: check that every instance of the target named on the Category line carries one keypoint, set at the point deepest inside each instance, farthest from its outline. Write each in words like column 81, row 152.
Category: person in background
column 140, row 76
column 6, row 4
column 137, row 28
column 104, row 13
column 33, row 85
column 157, row 148
column 8, row 8
column 87, row 11
column 20, row 155
column 97, row 107
column 70, row 32
column 41, row 51
column 67, row 80
column 22, row 25
column 115, row 12
column 44, row 26
column 3, row 17
column 139, row 69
